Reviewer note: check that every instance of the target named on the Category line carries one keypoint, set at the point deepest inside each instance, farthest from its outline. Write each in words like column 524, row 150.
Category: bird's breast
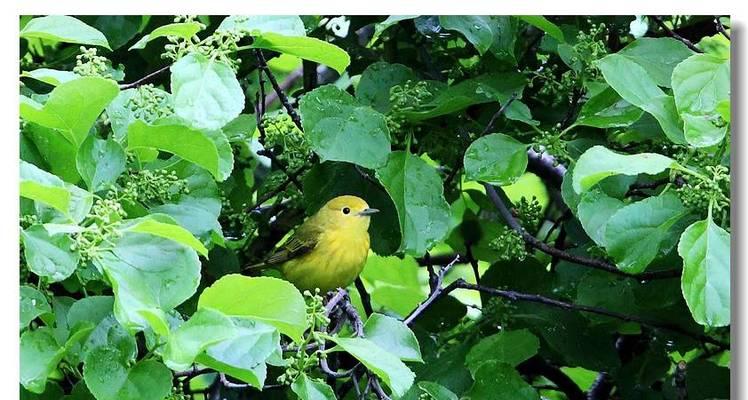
column 335, row 262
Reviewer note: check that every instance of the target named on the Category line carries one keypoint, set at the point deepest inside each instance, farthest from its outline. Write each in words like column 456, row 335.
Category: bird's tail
column 257, row 266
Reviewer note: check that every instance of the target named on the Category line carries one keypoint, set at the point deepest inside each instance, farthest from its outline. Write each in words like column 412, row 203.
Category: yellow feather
column 339, row 245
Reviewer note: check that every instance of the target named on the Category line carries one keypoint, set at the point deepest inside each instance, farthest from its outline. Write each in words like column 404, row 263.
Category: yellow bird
column 329, row 249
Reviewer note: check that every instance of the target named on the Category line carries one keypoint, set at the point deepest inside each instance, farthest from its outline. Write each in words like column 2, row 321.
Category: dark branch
column 721, row 28
column 531, row 240
column 546, row 167
column 533, row 298
column 287, row 84
column 538, row 366
column 601, row 388
column 263, row 66
column 144, row 79
column 498, row 113
column 674, row 35
column 365, row 298
column 436, row 292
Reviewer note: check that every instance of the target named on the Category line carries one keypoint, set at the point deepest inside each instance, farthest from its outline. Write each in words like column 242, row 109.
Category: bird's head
column 347, row 212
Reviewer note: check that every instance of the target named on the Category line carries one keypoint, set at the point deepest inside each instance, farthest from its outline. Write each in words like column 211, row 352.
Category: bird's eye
column 346, row 210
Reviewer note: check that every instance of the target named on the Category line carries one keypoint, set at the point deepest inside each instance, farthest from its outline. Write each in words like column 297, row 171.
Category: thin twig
column 473, row 262
column 263, row 66
column 533, row 298
column 287, row 84
column 144, row 79
column 674, row 35
column 498, row 113
column 436, row 292
column 546, row 248
column 721, row 28
column 365, row 297
column 538, row 366
column 486, row 130
column 377, row 387
column 231, row 385
column 600, row 389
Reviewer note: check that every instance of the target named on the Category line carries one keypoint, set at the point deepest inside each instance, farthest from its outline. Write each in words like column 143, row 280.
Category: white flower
column 338, row 26
column 639, row 26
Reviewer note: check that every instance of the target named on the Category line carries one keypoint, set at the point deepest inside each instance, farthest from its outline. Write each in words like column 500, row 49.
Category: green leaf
column 51, row 76
column 716, row 45
column 184, row 30
column 393, row 336
column 198, row 210
column 437, row 391
column 40, row 354
column 510, row 347
column 118, row 29
column 495, row 158
column 306, row 48
column 111, row 378
column 598, row 163
column 270, row 300
column 100, row 162
column 33, row 305
column 636, row 86
column 206, row 91
column 418, row 194
column 500, row 381
column 47, row 255
column 121, row 112
column 658, row 56
column 544, row 25
column 700, row 84
column 108, row 333
column 339, row 129
column 204, row 328
column 196, row 146
column 376, row 81
column 41, row 186
column 487, row 88
column 476, row 29
column 289, row 25
column 243, row 356
column 703, row 130
column 608, row 110
column 594, row 210
column 72, row 107
column 705, row 249
column 380, row 27
column 57, row 151
column 635, row 234
column 166, row 227
column 312, row 389
column 61, row 28
column 150, row 275
column 385, row 365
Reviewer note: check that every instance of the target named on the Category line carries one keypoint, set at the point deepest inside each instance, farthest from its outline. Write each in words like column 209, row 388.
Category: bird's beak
column 368, row 211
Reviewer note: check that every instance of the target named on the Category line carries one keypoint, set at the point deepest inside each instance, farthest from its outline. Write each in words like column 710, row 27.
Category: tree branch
column 498, row 113
column 601, row 388
column 263, row 66
column 436, row 292
column 674, row 35
column 144, row 79
column 538, row 366
column 365, row 298
column 721, row 28
column 533, row 298
column 561, row 254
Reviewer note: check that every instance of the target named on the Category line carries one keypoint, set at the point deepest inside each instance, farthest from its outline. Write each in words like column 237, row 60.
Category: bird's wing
column 303, row 241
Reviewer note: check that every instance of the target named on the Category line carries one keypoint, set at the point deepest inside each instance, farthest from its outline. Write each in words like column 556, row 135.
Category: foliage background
column 554, row 194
